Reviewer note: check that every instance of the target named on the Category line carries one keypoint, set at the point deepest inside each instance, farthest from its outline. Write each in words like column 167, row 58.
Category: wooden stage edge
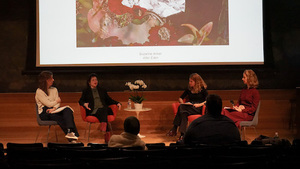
column 18, row 116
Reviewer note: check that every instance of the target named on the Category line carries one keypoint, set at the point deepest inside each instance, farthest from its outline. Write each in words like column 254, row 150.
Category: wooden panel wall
column 18, row 109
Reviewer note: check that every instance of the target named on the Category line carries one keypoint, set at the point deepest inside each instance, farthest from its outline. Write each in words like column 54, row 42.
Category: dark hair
column 89, row 79
column 214, row 104
column 132, row 125
column 42, row 80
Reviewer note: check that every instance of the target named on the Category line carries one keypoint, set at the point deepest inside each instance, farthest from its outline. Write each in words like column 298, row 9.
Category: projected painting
column 103, row 23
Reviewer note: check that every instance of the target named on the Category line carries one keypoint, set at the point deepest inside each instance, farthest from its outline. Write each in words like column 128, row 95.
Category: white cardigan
column 42, row 99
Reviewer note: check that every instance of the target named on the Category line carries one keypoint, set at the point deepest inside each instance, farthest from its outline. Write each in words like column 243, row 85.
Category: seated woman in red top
column 248, row 101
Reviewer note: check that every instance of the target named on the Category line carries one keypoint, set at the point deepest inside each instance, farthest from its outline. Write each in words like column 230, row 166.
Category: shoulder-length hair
column 199, row 83
column 251, row 78
column 42, row 80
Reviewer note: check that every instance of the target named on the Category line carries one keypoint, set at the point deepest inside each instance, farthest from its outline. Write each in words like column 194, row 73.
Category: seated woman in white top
column 48, row 103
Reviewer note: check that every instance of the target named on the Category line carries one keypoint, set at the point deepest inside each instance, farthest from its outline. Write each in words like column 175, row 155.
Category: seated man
column 212, row 128
column 129, row 138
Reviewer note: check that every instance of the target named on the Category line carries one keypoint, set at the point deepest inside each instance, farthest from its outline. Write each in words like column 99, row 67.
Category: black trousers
column 102, row 113
column 181, row 118
column 65, row 119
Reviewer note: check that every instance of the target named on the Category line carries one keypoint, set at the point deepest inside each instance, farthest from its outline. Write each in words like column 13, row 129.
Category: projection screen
column 149, row 32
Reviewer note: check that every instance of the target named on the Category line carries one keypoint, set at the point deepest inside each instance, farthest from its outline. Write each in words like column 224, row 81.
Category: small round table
column 137, row 111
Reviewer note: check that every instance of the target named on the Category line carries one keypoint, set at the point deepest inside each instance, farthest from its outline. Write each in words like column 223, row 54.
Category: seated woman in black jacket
column 95, row 100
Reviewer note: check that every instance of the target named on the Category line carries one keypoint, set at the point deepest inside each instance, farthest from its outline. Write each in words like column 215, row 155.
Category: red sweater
column 250, row 99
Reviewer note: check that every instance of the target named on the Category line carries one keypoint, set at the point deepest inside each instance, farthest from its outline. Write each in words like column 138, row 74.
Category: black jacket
column 208, row 129
column 87, row 97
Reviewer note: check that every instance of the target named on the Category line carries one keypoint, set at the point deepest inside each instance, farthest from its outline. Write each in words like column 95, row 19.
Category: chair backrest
column 83, row 113
column 10, row 145
column 43, row 122
column 64, row 145
column 255, row 118
column 114, row 109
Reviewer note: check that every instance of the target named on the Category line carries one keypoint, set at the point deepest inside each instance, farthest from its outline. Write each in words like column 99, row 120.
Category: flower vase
column 138, row 106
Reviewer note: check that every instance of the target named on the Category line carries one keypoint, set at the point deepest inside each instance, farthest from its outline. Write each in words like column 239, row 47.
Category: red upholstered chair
column 93, row 119
column 191, row 117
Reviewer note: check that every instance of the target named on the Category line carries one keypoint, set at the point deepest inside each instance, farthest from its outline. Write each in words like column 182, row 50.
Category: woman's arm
column 199, row 104
column 183, row 96
column 108, row 99
column 42, row 97
column 83, row 101
column 255, row 98
column 180, row 100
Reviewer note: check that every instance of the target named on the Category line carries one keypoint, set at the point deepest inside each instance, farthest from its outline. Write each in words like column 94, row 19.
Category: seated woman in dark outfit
column 96, row 101
column 196, row 95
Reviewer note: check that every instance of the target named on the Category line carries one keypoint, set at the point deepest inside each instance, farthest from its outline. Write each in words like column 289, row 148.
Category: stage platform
column 18, row 117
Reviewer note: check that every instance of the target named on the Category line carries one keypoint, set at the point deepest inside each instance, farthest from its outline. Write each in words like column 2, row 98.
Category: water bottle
column 276, row 136
column 129, row 104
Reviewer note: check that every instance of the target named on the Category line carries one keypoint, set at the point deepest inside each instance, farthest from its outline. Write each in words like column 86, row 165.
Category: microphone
column 231, row 101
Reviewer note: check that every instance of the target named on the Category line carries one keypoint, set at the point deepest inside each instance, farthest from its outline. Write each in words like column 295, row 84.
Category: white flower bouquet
column 136, row 87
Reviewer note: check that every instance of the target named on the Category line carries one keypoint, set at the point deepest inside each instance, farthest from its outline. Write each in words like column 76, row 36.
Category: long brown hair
column 42, row 78
column 251, row 78
column 199, row 83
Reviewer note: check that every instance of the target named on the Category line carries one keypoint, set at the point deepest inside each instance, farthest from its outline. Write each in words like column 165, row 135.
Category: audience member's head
column 132, row 125
column 214, row 105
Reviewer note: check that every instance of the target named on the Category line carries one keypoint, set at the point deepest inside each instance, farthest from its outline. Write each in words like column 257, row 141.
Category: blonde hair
column 251, row 78
column 199, row 83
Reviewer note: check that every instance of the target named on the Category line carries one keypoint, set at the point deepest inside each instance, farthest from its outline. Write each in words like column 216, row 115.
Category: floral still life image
column 108, row 23
column 137, row 87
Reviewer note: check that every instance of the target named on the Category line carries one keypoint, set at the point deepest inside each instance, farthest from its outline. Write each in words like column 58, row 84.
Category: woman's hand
column 198, row 105
column 50, row 110
column 119, row 105
column 180, row 100
column 239, row 108
column 86, row 105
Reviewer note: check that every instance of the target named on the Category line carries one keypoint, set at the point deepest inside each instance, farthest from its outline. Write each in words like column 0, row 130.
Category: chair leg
column 255, row 131
column 48, row 133
column 37, row 136
column 109, row 127
column 243, row 133
column 55, row 134
column 89, row 132
column 86, row 129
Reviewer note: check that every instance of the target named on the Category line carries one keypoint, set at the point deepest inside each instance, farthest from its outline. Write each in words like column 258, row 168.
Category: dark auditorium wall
column 281, row 71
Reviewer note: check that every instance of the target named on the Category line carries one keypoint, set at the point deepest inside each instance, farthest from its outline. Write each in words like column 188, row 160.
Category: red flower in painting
column 112, row 41
column 118, row 8
column 154, row 37
column 162, row 36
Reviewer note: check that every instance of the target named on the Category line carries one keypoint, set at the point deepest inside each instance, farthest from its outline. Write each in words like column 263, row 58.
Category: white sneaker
column 71, row 136
column 73, row 141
